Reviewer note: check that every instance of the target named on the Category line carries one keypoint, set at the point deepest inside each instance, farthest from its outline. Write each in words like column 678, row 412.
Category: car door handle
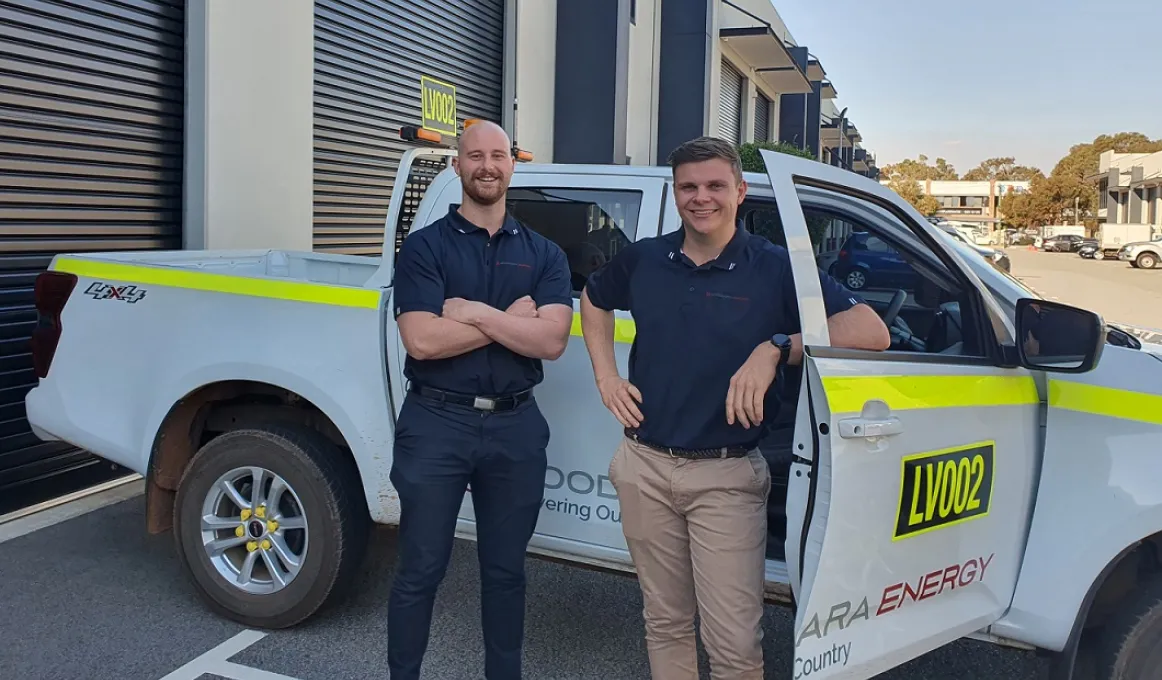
column 863, row 428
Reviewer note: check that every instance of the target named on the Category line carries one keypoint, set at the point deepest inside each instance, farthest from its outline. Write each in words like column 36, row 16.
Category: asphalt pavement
column 96, row 598
column 1112, row 288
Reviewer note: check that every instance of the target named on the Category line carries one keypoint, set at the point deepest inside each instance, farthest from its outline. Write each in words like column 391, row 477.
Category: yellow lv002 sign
column 942, row 488
column 439, row 105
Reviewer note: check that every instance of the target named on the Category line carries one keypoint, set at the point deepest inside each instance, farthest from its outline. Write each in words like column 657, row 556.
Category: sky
column 966, row 81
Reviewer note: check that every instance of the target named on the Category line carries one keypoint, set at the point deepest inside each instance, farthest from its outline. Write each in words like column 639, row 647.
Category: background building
column 975, row 203
column 1129, row 188
column 221, row 124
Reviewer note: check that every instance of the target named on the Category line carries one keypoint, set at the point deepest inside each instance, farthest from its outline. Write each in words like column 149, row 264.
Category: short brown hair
column 704, row 149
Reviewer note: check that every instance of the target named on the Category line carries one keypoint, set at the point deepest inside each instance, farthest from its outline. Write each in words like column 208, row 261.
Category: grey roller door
column 762, row 118
column 370, row 56
column 91, row 109
column 730, row 103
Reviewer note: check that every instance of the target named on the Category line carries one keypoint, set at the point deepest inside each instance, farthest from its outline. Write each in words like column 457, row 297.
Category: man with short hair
column 716, row 315
column 481, row 301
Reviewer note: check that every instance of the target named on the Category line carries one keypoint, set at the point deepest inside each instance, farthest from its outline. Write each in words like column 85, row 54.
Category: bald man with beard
column 481, row 302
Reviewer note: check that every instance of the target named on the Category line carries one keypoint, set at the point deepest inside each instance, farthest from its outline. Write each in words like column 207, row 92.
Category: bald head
column 484, row 162
column 485, row 135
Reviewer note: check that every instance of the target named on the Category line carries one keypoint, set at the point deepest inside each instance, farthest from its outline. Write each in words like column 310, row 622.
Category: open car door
column 910, row 494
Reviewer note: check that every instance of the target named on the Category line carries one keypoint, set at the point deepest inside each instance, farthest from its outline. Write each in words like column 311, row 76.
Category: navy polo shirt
column 453, row 258
column 696, row 326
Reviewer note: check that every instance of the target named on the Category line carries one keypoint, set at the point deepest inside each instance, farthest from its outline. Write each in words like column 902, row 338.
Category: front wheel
column 1147, row 261
column 269, row 524
column 1130, row 647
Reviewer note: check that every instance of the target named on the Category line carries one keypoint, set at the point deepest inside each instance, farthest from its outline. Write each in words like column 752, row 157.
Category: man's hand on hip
column 748, row 387
column 621, row 398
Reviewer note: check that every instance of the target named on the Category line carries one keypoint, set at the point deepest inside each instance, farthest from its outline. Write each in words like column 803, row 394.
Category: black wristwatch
column 783, row 342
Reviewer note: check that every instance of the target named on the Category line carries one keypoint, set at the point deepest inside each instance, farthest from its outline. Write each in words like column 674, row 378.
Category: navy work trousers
column 440, row 449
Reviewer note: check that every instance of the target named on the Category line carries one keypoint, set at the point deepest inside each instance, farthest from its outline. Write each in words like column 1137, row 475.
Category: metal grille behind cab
column 369, row 57
column 91, row 109
column 730, row 104
column 423, row 171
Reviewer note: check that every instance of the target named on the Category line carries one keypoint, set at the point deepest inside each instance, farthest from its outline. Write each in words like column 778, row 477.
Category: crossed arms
column 434, row 326
column 466, row 325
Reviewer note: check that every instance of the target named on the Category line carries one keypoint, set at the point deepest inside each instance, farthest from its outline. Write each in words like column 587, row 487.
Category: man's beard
column 493, row 193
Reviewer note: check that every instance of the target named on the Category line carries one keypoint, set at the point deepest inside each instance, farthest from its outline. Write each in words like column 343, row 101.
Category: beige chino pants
column 697, row 531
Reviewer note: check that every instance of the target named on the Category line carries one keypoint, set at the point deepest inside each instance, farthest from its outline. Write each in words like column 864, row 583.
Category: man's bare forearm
column 540, row 337
column 856, row 328
column 859, row 328
column 597, row 328
column 428, row 337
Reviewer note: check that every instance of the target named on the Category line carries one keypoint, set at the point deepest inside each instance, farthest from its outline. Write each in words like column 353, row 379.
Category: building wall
column 641, row 123
column 536, row 70
column 249, row 124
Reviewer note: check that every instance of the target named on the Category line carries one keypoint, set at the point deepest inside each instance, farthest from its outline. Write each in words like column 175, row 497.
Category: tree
column 909, row 190
column 919, row 168
column 1002, row 169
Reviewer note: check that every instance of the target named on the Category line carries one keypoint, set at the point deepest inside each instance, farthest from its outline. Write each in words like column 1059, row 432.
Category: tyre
column 1147, row 261
column 855, row 279
column 269, row 523
column 1130, row 646
column 1099, row 255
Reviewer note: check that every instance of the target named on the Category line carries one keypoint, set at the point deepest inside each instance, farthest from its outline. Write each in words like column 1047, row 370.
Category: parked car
column 867, row 261
column 997, row 257
column 1142, row 254
column 994, row 476
column 1062, row 243
column 1088, row 248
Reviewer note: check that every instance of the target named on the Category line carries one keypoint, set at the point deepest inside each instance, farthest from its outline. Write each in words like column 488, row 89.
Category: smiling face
column 708, row 185
column 485, row 163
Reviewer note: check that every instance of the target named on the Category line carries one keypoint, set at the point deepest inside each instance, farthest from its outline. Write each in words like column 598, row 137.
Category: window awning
column 772, row 62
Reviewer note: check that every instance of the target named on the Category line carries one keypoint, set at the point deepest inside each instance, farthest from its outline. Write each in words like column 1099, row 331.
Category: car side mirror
column 1055, row 337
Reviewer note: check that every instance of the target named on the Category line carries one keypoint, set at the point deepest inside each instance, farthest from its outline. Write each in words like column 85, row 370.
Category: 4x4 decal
column 125, row 293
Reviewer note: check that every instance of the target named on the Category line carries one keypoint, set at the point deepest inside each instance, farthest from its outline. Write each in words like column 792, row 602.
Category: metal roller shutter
column 762, row 118
column 370, row 56
column 730, row 104
column 91, row 110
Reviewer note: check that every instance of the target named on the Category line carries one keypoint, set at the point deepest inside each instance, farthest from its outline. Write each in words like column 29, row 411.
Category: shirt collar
column 730, row 256
column 464, row 226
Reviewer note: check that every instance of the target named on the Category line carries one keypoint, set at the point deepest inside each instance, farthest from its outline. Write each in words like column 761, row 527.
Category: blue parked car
column 866, row 261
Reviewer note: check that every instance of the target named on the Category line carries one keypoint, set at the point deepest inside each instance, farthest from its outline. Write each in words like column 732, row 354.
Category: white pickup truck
column 997, row 473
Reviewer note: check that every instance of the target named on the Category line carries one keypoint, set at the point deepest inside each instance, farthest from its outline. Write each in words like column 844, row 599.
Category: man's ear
column 456, row 165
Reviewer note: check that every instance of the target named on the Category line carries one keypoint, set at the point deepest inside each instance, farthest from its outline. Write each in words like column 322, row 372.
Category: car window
column 932, row 316
column 590, row 225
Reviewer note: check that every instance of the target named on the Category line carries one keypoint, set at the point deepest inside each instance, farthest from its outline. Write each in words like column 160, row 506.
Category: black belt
column 504, row 402
column 716, row 452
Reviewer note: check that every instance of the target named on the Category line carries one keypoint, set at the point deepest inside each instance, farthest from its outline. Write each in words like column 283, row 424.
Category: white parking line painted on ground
column 217, row 662
column 28, row 520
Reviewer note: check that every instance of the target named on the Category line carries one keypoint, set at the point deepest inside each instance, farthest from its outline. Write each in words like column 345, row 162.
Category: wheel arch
column 1116, row 581
column 211, row 409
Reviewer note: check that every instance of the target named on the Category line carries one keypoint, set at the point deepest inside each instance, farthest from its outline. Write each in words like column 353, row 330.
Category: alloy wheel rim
column 855, row 279
column 254, row 530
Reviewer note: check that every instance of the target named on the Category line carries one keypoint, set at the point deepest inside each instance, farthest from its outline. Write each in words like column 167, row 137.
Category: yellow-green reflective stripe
column 296, row 291
column 907, row 392
column 1106, row 401
column 624, row 330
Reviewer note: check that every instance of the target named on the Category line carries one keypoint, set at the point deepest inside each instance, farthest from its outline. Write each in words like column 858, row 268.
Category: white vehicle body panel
column 1099, row 490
